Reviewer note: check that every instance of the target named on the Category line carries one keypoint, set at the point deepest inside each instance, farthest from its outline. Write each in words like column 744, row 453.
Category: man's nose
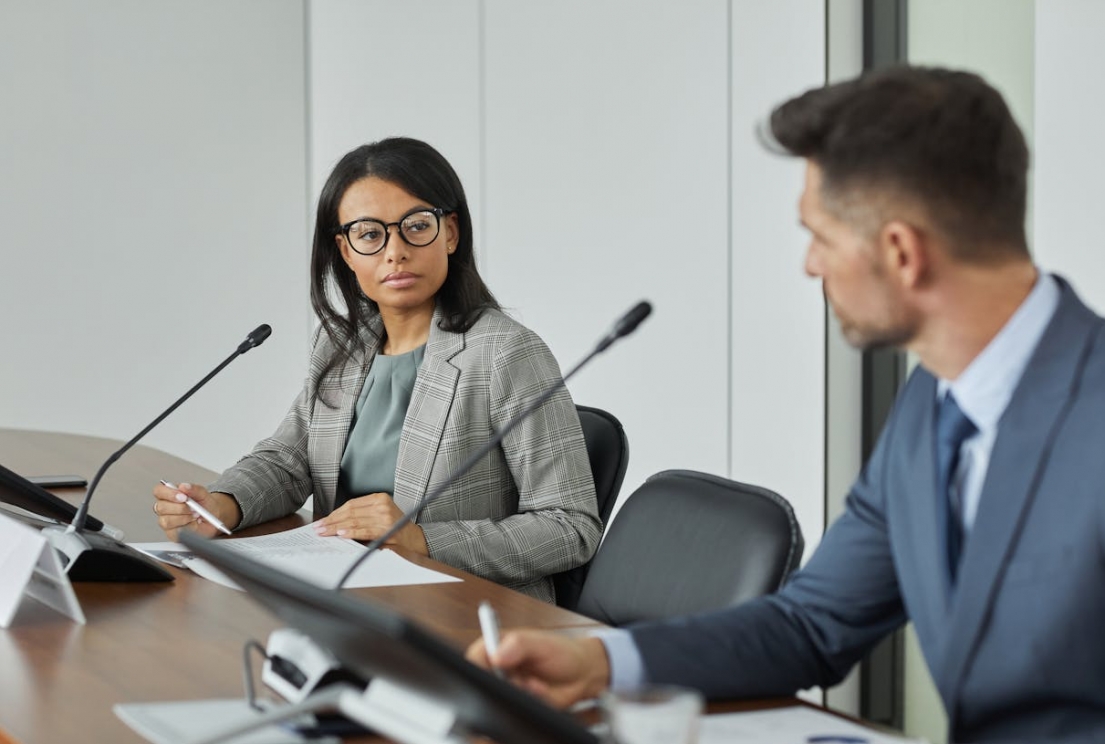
column 812, row 263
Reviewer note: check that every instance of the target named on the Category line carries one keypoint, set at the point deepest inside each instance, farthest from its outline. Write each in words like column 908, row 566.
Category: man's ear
column 904, row 252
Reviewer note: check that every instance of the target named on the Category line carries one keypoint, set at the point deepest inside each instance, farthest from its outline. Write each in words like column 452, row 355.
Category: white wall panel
column 605, row 184
column 381, row 68
column 151, row 213
column 778, row 314
column 1069, row 161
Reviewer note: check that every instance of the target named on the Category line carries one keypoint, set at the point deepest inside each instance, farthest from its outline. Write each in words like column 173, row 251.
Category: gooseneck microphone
column 92, row 556
column 625, row 326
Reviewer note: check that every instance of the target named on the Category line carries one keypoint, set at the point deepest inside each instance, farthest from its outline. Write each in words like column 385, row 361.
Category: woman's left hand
column 365, row 518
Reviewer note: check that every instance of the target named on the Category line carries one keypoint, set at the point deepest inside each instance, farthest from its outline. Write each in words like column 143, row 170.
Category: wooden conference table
column 180, row 640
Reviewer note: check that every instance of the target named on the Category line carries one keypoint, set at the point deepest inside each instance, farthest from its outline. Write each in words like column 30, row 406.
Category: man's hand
column 558, row 669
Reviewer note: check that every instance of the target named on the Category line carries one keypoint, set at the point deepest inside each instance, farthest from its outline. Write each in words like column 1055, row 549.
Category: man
column 979, row 516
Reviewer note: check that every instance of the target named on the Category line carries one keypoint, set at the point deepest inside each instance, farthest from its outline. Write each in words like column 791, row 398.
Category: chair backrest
column 686, row 542
column 608, row 452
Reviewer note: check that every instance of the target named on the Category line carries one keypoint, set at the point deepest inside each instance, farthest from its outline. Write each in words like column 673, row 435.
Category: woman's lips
column 400, row 279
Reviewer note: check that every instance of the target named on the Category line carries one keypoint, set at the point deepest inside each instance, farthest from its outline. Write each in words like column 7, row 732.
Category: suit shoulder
column 496, row 329
column 492, row 320
column 498, row 342
column 919, row 382
column 322, row 348
column 916, row 396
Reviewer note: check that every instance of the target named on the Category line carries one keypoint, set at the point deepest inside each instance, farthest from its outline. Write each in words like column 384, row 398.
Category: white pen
column 489, row 627
column 199, row 511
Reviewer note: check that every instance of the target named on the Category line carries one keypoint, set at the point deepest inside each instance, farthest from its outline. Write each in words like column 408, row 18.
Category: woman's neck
column 405, row 330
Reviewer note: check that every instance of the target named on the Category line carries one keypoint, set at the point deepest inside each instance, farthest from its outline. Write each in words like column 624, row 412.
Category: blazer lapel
column 923, row 525
column 431, row 401
column 343, row 389
column 1019, row 458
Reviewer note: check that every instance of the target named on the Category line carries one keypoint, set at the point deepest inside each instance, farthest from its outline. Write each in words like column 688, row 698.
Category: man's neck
column 970, row 309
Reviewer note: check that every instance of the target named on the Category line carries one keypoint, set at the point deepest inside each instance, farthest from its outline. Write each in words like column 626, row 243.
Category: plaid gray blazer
column 527, row 511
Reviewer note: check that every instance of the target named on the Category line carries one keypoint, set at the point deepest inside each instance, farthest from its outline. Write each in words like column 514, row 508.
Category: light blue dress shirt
column 983, row 391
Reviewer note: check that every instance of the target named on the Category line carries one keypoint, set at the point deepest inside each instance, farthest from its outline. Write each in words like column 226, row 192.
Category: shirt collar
column 986, row 386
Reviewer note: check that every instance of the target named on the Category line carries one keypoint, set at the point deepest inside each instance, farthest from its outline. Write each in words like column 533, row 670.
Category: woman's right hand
column 174, row 515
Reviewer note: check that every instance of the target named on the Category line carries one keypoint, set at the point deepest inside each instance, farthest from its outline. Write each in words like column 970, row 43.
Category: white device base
column 389, row 710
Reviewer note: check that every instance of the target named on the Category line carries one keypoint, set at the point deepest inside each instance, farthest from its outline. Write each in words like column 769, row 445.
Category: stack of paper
column 303, row 553
column 789, row 725
column 192, row 720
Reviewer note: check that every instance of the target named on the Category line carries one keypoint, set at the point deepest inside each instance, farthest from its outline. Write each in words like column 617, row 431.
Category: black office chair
column 685, row 542
column 608, row 452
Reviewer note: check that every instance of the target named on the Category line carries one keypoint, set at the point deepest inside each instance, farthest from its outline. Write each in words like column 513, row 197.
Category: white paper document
column 189, row 720
column 304, row 554
column 791, row 725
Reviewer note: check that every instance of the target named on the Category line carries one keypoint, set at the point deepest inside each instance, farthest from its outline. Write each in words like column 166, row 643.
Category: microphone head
column 256, row 337
column 632, row 319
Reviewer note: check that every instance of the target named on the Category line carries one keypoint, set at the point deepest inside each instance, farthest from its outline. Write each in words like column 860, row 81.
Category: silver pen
column 199, row 511
column 489, row 628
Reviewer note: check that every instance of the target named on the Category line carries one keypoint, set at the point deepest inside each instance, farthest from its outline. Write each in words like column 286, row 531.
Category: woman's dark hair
column 943, row 138
column 423, row 172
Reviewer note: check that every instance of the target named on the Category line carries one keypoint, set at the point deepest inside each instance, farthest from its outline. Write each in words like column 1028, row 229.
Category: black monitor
column 374, row 641
column 18, row 491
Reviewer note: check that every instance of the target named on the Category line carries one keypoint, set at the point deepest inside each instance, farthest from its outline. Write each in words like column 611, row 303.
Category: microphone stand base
column 90, row 556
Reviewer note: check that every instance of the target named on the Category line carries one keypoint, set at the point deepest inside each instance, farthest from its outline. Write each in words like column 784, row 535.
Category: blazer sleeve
column 812, row 631
column 556, row 524
column 274, row 479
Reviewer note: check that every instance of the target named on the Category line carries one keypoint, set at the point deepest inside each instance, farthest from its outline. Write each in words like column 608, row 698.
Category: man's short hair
column 942, row 139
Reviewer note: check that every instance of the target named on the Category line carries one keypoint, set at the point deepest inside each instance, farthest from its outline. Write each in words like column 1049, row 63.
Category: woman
column 413, row 369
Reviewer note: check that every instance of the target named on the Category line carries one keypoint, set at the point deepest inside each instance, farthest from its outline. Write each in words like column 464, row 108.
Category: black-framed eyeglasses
column 417, row 227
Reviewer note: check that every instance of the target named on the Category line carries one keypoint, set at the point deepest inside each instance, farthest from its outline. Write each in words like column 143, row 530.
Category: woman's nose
column 396, row 248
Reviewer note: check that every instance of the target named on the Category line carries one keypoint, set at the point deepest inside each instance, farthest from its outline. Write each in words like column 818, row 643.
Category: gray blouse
column 372, row 450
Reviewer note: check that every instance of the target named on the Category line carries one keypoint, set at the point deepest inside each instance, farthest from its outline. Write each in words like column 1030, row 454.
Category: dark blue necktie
column 952, row 428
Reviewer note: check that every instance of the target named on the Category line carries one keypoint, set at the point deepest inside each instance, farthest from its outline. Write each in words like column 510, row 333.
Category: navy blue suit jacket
column 1017, row 649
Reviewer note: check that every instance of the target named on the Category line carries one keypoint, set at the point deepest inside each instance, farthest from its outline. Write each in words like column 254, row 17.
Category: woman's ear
column 452, row 232
column 343, row 248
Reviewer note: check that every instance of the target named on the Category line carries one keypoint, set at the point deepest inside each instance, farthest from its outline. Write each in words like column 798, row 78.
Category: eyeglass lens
column 370, row 236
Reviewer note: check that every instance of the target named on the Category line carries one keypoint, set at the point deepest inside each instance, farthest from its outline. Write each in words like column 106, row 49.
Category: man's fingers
column 477, row 654
column 511, row 651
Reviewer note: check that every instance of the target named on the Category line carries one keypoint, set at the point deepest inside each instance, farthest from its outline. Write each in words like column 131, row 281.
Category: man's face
column 854, row 273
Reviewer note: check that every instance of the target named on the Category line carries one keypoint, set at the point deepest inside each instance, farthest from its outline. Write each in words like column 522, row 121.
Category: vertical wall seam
column 308, row 151
column 481, row 124
column 729, row 398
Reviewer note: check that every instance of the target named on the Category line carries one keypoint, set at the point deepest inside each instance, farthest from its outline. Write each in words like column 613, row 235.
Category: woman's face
column 400, row 277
